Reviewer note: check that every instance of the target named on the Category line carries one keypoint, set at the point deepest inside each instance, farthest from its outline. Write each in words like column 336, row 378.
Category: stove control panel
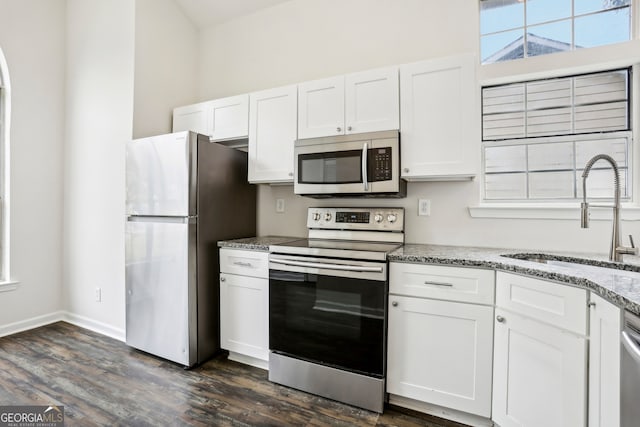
column 374, row 219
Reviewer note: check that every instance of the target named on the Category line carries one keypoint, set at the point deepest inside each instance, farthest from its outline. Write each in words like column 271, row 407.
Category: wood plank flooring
column 101, row 381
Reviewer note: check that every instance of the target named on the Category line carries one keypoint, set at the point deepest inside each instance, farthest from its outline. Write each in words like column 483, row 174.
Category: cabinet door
column 229, row 117
column 372, row 100
column 244, row 315
column 321, row 108
column 539, row 374
column 191, row 117
column 439, row 119
column 440, row 352
column 604, row 364
column 272, row 133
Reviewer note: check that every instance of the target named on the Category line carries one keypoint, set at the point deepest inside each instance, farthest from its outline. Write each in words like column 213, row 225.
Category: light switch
column 280, row 205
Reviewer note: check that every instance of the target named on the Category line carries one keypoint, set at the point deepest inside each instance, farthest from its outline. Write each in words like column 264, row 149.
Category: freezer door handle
column 169, row 219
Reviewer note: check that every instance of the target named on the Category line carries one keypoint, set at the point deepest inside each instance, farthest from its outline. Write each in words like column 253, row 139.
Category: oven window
column 342, row 167
column 335, row 321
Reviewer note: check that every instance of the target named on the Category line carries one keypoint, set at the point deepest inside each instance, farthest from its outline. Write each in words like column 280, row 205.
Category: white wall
column 99, row 116
column 308, row 39
column 32, row 38
column 166, row 58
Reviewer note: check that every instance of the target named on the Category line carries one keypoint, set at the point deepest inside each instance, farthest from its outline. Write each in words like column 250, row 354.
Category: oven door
column 328, row 311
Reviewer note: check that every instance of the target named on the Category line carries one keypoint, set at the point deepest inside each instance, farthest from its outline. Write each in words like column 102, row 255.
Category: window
column 538, row 136
column 512, row 29
column 5, row 118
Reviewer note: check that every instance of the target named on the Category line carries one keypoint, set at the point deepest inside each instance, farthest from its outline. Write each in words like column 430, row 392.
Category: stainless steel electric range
column 328, row 304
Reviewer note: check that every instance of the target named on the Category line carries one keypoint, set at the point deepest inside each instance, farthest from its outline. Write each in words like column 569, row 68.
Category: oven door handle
column 344, row 267
column 365, row 164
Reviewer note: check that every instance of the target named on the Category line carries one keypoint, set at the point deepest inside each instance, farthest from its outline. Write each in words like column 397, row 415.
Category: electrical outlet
column 280, row 205
column 98, row 295
column 424, row 207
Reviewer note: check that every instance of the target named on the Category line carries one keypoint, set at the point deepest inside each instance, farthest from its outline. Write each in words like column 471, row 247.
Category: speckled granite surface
column 620, row 286
column 256, row 243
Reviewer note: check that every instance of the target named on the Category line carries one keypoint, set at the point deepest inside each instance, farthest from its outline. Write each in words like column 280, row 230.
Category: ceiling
column 205, row 13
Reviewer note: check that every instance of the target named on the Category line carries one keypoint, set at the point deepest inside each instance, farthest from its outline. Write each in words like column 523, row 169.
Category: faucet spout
column 615, row 250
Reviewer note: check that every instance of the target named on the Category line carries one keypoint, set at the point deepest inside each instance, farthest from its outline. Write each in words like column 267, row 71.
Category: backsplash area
column 449, row 222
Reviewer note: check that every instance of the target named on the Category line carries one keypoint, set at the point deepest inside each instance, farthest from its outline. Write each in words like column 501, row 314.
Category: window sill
column 555, row 211
column 9, row 285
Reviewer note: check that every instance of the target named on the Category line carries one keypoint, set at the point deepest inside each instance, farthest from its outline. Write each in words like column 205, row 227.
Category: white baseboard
column 248, row 360
column 34, row 322
column 439, row 411
column 65, row 316
column 95, row 326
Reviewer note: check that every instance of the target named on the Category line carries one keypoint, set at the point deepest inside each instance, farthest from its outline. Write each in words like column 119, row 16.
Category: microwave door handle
column 365, row 180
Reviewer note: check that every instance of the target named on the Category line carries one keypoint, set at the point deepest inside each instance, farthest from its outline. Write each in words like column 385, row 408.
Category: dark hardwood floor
column 101, row 381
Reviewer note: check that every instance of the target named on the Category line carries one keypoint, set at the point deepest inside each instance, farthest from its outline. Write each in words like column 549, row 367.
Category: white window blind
column 538, row 136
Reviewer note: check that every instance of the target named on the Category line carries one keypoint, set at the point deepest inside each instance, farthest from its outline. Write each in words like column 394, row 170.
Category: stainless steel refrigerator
column 184, row 194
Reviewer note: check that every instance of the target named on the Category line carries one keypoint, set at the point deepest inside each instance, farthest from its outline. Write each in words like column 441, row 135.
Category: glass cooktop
column 336, row 248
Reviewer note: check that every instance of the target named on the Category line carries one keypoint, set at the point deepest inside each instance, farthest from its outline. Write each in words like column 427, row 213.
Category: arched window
column 5, row 122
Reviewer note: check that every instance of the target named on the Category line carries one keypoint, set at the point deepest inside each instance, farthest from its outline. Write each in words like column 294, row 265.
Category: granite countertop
column 620, row 286
column 256, row 243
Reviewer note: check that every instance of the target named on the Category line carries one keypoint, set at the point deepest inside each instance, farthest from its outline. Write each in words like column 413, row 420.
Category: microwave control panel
column 380, row 164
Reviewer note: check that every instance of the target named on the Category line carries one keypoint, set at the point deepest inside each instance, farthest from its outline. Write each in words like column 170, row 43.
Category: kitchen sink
column 565, row 261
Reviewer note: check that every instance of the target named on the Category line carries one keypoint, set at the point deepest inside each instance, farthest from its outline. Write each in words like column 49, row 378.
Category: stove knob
column 316, row 216
column 327, row 216
column 392, row 218
column 378, row 218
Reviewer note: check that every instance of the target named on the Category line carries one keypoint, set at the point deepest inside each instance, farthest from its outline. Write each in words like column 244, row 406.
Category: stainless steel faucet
column 615, row 251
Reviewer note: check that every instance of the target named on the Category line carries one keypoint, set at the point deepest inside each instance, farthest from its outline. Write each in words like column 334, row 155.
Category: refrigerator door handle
column 171, row 219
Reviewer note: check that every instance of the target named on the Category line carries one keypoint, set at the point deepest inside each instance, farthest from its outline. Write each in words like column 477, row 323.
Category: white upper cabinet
column 225, row 118
column 191, row 117
column 229, row 117
column 372, row 100
column 272, row 133
column 440, row 123
column 360, row 102
column 321, row 108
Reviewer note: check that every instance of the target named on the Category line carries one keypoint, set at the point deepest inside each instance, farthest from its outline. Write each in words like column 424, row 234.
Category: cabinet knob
column 222, row 279
column 406, row 170
column 591, row 304
column 500, row 319
column 338, row 129
column 349, row 128
column 394, row 303
column 290, row 173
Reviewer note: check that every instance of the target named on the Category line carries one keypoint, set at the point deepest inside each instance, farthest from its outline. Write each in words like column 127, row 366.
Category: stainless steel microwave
column 357, row 165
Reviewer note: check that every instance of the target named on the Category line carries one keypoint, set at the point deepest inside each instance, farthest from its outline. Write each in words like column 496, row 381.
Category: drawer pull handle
column 500, row 319
column 450, row 285
column 242, row 264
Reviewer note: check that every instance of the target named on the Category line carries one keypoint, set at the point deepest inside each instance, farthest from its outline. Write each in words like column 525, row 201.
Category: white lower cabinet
column 244, row 305
column 540, row 370
column 604, row 363
column 440, row 350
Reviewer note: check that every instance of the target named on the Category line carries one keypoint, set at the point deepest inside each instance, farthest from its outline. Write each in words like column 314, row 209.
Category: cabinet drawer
column 552, row 303
column 244, row 263
column 450, row 283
